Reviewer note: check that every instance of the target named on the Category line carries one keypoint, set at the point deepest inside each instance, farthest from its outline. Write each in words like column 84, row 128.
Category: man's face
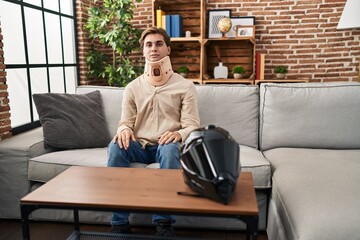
column 155, row 47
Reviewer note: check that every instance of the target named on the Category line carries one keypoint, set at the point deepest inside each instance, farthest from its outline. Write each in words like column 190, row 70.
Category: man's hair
column 155, row 30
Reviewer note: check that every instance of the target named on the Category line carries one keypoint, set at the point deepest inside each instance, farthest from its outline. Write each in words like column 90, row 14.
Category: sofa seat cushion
column 316, row 192
column 253, row 161
column 45, row 167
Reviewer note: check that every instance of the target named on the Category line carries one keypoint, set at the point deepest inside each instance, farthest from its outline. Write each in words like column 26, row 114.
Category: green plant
column 183, row 69
column 110, row 23
column 281, row 69
column 238, row 69
column 96, row 62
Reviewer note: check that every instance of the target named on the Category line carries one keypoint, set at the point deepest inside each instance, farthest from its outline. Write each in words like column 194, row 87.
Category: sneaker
column 123, row 228
column 164, row 229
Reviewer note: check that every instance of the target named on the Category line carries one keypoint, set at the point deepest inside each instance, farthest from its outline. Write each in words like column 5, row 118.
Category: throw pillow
column 72, row 121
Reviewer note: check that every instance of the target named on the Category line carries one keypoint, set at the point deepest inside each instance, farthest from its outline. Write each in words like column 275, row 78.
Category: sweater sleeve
column 190, row 119
column 128, row 113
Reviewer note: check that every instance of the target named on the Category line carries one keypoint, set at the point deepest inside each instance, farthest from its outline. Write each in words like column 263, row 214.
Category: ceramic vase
column 238, row 75
column 220, row 71
column 280, row 75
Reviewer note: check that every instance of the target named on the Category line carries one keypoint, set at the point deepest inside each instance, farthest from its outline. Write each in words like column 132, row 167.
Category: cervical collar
column 159, row 72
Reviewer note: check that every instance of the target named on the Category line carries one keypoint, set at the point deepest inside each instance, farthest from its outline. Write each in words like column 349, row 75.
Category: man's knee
column 169, row 156
column 116, row 155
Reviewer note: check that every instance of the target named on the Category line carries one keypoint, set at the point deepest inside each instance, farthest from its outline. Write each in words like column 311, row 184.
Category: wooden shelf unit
column 197, row 52
column 281, row 81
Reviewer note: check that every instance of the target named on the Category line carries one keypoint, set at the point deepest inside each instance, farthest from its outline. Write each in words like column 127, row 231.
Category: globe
column 224, row 25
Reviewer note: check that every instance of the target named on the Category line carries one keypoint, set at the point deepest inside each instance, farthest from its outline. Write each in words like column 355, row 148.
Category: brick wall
column 5, row 125
column 303, row 35
column 299, row 34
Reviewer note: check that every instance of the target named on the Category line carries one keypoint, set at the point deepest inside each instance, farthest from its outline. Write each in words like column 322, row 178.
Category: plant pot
column 185, row 75
column 280, row 75
column 238, row 75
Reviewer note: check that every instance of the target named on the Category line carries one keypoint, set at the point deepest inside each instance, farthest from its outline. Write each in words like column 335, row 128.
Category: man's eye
column 160, row 44
column 148, row 45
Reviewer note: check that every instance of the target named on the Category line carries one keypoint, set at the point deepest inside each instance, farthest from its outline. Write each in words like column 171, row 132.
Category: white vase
column 220, row 71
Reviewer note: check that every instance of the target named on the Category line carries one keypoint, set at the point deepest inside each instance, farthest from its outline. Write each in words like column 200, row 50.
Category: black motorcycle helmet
column 210, row 162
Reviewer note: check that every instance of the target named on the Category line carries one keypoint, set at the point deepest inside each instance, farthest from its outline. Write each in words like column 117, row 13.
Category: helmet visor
column 197, row 160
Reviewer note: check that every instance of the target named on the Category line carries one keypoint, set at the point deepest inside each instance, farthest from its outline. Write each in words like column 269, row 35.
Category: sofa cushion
column 316, row 192
column 234, row 108
column 310, row 115
column 45, row 167
column 253, row 161
column 72, row 120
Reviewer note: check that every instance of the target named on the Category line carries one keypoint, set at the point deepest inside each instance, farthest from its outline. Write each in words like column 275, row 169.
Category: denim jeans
column 167, row 155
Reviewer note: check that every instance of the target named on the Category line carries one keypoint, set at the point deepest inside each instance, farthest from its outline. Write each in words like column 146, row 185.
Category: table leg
column 25, row 212
column 251, row 226
column 76, row 220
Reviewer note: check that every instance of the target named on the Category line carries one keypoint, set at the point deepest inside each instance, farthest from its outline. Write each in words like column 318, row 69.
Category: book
column 259, row 66
column 163, row 22
column 168, row 24
column 176, row 25
column 159, row 14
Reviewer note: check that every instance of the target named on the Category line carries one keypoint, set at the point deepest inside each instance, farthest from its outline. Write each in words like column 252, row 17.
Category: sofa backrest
column 111, row 100
column 310, row 115
column 233, row 107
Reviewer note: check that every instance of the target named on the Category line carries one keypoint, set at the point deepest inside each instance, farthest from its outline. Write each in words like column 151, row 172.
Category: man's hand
column 168, row 137
column 123, row 138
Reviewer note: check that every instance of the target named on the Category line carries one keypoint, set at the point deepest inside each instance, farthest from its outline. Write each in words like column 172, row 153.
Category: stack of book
column 171, row 23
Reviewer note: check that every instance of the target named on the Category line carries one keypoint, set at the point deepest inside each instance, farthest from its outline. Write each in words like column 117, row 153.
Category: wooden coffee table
column 136, row 190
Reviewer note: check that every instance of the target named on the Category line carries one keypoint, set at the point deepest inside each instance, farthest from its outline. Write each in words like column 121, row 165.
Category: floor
column 12, row 230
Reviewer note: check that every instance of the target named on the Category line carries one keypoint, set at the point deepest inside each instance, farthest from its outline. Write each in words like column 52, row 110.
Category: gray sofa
column 300, row 141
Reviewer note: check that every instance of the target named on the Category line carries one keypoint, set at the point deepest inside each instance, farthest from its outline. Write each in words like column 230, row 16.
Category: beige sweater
column 150, row 111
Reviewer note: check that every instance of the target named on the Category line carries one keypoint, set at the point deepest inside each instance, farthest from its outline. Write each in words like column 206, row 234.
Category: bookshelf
column 282, row 81
column 198, row 52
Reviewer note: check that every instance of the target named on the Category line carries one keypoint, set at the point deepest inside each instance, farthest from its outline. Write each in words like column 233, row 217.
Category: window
column 39, row 39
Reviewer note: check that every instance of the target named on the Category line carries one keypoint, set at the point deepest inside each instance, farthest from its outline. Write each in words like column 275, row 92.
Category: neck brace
column 158, row 73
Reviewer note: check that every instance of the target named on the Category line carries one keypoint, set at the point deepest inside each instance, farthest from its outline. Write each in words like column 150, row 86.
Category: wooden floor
column 11, row 230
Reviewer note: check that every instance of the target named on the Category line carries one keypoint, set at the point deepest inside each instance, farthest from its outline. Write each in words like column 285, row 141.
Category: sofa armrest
column 14, row 155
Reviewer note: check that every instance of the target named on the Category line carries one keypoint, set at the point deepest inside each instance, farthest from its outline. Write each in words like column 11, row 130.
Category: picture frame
column 213, row 18
column 235, row 21
column 245, row 31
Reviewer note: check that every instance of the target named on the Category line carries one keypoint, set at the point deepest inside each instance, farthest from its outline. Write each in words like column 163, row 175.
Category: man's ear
column 169, row 50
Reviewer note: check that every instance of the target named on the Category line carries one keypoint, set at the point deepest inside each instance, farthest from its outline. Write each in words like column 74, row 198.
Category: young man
column 159, row 110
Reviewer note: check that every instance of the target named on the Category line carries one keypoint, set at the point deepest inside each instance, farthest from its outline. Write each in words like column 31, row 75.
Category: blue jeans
column 167, row 155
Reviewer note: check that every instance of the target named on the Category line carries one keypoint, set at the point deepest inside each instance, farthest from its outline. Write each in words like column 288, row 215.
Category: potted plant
column 281, row 72
column 183, row 71
column 238, row 71
column 110, row 24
